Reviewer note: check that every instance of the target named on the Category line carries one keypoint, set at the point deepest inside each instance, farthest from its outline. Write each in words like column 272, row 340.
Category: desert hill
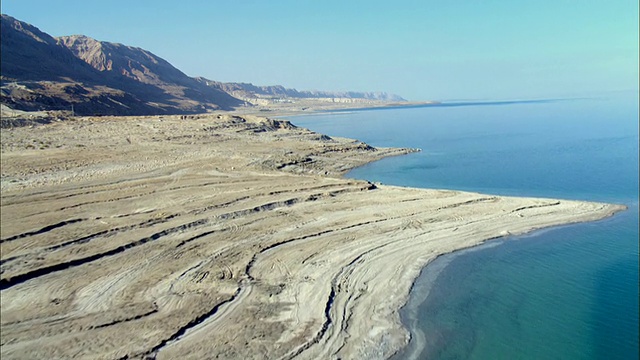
column 40, row 72
column 256, row 94
column 24, row 49
column 131, row 63
column 91, row 77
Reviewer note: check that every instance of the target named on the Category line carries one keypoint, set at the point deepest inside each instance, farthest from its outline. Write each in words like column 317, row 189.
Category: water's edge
column 592, row 176
column 426, row 280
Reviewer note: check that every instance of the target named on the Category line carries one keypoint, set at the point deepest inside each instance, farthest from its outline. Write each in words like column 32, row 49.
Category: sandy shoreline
column 427, row 279
column 221, row 237
column 313, row 107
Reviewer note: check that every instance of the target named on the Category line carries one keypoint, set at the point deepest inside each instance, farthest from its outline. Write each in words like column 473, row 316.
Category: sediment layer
column 221, row 237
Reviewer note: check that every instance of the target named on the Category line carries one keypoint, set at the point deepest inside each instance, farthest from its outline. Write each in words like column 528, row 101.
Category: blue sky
column 422, row 50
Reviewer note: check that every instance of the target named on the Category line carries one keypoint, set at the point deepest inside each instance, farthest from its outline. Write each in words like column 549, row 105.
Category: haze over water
column 564, row 293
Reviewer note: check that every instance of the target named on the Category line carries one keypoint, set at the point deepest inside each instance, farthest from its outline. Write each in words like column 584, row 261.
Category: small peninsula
column 221, row 236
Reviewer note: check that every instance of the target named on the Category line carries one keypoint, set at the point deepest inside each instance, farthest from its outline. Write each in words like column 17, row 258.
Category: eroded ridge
column 222, row 237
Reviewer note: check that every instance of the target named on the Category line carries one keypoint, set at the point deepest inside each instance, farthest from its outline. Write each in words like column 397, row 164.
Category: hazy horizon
column 418, row 50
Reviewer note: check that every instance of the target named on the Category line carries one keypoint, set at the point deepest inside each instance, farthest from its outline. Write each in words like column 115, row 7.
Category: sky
column 421, row 50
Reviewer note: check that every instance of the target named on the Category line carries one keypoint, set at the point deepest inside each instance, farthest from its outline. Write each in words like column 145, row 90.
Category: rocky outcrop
column 252, row 93
column 93, row 77
column 85, row 76
column 142, row 66
column 29, row 54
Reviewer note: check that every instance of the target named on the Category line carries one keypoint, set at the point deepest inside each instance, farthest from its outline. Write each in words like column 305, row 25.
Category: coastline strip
column 325, row 262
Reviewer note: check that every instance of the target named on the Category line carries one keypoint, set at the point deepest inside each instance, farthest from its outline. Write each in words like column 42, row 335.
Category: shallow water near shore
column 565, row 293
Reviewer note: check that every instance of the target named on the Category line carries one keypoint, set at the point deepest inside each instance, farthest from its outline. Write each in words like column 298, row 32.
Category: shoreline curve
column 222, row 235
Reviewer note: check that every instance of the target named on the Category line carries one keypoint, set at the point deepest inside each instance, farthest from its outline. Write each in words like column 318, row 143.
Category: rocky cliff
column 252, row 93
column 40, row 72
column 90, row 77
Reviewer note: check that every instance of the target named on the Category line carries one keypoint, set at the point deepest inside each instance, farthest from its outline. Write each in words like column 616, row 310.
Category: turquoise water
column 565, row 293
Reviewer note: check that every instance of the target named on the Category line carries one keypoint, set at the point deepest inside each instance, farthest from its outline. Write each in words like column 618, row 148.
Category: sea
column 569, row 292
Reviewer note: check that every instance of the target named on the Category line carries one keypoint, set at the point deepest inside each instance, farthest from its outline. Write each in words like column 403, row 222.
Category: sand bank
column 221, row 237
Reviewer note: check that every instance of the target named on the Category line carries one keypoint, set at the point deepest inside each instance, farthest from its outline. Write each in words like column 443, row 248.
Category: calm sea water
column 565, row 293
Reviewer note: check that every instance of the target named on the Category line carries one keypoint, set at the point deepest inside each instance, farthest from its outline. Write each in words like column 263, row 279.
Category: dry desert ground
column 221, row 237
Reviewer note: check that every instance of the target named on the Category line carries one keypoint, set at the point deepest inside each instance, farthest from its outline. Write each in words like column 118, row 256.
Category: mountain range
column 90, row 77
column 251, row 92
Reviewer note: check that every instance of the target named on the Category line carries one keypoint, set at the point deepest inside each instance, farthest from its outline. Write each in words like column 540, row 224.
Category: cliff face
column 40, row 72
column 92, row 77
column 248, row 92
column 126, row 61
column 142, row 66
column 29, row 54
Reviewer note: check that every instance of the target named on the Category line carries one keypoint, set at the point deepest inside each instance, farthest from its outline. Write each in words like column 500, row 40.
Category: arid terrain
column 79, row 75
column 221, row 236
